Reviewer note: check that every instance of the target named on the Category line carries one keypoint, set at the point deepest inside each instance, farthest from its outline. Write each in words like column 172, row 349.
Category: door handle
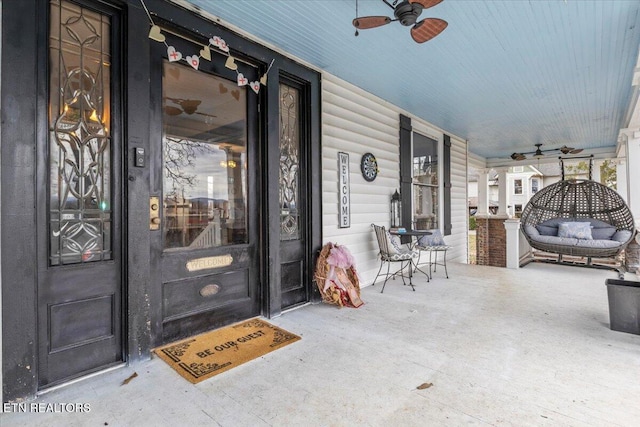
column 154, row 213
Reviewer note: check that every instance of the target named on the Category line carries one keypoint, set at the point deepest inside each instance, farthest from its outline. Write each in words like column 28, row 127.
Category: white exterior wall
column 521, row 199
column 472, row 189
column 356, row 122
column 458, row 239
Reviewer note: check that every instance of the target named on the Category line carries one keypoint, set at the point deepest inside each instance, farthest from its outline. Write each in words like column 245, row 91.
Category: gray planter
column 624, row 305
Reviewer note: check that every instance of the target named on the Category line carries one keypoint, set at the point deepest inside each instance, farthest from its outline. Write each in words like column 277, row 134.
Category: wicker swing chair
column 610, row 221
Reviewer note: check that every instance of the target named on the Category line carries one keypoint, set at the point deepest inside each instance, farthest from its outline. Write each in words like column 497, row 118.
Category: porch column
column 633, row 179
column 483, row 193
column 621, row 181
column 503, row 197
column 513, row 242
column 596, row 171
column 491, row 238
column 633, row 172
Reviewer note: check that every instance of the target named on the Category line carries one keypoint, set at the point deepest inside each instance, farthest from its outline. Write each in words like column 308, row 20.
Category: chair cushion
column 622, row 236
column 555, row 240
column 434, row 239
column 603, row 233
column 596, row 223
column 577, row 230
column 600, row 244
column 405, row 255
column 550, row 226
column 530, row 230
column 600, row 230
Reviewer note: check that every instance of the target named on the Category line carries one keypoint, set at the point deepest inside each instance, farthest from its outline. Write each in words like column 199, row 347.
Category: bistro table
column 415, row 235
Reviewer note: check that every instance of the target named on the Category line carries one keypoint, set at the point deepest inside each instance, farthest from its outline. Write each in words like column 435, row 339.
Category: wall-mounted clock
column 369, row 167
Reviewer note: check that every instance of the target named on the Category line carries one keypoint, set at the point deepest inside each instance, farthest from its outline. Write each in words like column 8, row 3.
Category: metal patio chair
column 393, row 252
column 433, row 244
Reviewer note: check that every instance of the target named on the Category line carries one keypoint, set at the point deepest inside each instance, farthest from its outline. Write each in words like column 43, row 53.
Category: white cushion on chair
column 405, row 255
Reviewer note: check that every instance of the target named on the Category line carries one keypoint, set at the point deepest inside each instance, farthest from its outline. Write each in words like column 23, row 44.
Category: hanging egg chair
column 604, row 221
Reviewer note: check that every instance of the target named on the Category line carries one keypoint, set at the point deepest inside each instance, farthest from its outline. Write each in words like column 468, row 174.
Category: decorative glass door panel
column 79, row 143
column 289, row 163
column 292, row 194
column 204, row 160
column 79, row 227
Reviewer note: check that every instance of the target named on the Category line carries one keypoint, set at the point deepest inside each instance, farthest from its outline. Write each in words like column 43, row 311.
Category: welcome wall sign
column 344, row 191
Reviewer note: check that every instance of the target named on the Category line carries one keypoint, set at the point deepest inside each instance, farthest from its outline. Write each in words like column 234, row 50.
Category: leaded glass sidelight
column 289, row 163
column 79, row 141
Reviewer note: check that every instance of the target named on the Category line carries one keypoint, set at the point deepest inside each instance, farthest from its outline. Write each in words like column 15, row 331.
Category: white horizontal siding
column 458, row 239
column 356, row 122
column 476, row 163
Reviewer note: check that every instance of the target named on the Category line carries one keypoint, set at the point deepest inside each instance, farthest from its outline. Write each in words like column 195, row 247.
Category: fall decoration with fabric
column 336, row 276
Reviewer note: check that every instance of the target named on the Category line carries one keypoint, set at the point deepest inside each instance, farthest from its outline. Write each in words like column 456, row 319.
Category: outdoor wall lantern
column 396, row 210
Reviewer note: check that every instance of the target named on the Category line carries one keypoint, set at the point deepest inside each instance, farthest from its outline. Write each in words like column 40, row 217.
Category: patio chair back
column 383, row 241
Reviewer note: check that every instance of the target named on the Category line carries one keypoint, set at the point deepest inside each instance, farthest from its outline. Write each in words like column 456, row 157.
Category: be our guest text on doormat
column 212, row 353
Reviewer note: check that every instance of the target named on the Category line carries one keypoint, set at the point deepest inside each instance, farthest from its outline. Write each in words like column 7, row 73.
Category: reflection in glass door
column 205, row 252
column 204, row 160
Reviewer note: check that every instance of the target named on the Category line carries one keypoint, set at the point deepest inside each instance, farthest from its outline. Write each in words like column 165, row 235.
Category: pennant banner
column 216, row 42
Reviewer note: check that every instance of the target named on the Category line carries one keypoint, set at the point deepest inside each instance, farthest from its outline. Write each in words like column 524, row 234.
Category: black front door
column 79, row 200
column 293, row 198
column 204, row 209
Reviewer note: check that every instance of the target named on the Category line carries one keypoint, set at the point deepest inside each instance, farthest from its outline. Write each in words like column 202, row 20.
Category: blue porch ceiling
column 504, row 75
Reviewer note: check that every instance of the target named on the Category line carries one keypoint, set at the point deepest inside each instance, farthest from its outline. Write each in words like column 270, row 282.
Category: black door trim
column 19, row 113
column 24, row 59
column 309, row 83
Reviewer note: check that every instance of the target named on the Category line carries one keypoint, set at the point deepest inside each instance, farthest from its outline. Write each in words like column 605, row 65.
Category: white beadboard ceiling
column 505, row 74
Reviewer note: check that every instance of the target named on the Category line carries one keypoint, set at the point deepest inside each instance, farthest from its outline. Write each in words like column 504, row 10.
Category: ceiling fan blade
column 565, row 150
column 570, row 150
column 427, row 29
column 367, row 22
column 426, row 4
column 172, row 111
column 518, row 156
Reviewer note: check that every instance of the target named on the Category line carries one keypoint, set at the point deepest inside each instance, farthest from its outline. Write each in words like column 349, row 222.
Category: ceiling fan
column 540, row 153
column 406, row 12
column 188, row 106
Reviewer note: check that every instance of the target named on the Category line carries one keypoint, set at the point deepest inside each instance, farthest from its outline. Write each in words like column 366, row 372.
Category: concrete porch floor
column 501, row 347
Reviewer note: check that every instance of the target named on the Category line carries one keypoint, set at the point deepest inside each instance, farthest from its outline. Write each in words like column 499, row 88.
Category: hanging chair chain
column 590, row 167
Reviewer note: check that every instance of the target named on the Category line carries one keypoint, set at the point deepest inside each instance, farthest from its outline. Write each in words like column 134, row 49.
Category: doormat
column 212, row 353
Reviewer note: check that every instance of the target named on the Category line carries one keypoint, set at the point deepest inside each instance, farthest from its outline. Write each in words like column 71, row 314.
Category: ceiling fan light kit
column 407, row 13
column 539, row 153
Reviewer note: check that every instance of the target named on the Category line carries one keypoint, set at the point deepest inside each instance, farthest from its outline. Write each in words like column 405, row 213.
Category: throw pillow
column 434, row 239
column 576, row 230
column 622, row 236
column 550, row 226
column 603, row 233
column 394, row 243
column 546, row 230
